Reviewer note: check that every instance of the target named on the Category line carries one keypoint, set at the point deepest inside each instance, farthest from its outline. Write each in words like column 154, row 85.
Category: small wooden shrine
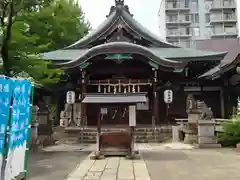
column 123, row 57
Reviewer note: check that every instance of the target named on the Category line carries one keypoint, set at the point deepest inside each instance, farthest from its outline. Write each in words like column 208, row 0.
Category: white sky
column 144, row 11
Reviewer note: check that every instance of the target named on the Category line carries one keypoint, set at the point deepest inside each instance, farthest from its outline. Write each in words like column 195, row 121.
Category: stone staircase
column 142, row 135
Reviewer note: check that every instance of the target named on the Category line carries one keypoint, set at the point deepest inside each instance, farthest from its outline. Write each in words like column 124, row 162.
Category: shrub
column 230, row 136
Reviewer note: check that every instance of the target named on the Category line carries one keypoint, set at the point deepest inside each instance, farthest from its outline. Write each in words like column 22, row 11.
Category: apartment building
column 182, row 22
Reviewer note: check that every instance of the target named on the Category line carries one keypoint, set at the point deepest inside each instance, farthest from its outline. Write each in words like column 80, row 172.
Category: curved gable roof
column 118, row 47
column 121, row 11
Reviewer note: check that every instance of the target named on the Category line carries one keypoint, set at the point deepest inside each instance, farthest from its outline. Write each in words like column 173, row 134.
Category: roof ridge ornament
column 119, row 2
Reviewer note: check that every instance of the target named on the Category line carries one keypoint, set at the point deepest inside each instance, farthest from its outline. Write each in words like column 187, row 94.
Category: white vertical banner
column 132, row 116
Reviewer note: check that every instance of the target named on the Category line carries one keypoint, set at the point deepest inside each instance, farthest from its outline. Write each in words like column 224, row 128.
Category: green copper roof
column 169, row 53
column 76, row 57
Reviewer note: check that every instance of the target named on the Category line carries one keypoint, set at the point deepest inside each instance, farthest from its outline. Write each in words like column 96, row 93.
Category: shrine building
column 123, row 58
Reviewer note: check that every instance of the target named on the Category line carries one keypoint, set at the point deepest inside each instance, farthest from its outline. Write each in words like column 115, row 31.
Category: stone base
column 190, row 138
column 134, row 157
column 96, row 156
column 203, row 146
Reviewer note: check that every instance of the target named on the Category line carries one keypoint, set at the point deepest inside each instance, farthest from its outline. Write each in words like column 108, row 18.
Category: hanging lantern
column 168, row 96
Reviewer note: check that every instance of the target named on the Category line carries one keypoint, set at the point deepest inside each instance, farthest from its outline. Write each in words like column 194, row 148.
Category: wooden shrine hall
column 121, row 57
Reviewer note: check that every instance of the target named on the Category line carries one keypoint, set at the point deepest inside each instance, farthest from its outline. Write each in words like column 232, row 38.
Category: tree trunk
column 6, row 40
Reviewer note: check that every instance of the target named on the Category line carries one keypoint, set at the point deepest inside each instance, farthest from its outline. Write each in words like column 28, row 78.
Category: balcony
column 228, row 32
column 181, row 21
column 177, row 6
column 178, row 35
column 217, row 5
column 223, row 19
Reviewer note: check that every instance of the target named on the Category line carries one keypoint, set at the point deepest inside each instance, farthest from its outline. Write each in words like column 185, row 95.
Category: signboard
column 132, row 116
column 104, row 111
column 168, row 96
column 70, row 97
column 5, row 96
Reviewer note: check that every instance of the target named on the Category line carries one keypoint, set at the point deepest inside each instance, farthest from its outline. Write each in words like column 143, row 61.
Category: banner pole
column 28, row 136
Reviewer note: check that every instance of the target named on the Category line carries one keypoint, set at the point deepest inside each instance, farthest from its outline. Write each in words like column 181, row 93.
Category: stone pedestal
column 176, row 133
column 206, row 134
column 190, row 133
column 190, row 129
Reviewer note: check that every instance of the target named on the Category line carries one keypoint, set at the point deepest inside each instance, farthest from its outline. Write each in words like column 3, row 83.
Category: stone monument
column 190, row 129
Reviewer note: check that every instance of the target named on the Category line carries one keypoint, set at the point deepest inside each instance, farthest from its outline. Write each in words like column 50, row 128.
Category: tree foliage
column 30, row 27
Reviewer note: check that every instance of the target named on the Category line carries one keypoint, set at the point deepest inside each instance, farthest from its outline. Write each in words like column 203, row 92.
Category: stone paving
column 196, row 164
column 169, row 161
column 113, row 168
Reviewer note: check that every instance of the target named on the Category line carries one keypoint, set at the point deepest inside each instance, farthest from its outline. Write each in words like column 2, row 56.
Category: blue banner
column 20, row 117
column 19, row 128
column 5, row 102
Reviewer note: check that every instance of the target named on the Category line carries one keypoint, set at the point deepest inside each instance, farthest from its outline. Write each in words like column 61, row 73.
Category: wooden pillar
column 83, row 94
column 222, row 103
column 99, row 141
column 58, row 102
column 155, row 98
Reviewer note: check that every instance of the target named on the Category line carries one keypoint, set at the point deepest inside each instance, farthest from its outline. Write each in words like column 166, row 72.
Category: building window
column 228, row 2
column 185, row 43
column 187, row 3
column 194, row 5
column 208, row 32
column 172, row 18
column 174, row 43
column 172, row 31
column 207, row 18
column 228, row 16
column 195, row 18
column 230, row 29
column 217, row 29
column 196, row 31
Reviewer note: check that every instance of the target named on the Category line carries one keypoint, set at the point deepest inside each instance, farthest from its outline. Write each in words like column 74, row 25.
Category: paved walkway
column 170, row 161
column 113, row 168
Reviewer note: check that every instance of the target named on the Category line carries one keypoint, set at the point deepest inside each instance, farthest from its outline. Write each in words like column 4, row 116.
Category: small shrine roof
column 115, row 98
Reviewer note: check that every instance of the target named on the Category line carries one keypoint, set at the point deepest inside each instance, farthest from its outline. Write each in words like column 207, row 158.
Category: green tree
column 59, row 25
column 30, row 27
